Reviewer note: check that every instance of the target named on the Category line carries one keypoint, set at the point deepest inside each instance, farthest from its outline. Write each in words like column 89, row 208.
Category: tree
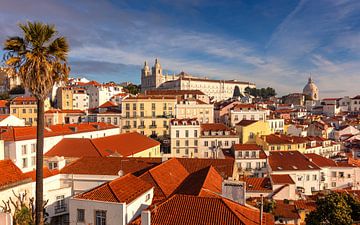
column 133, row 89
column 332, row 209
column 21, row 208
column 264, row 93
column 40, row 60
column 18, row 90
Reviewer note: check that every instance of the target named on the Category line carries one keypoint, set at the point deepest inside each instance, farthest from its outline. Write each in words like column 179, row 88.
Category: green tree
column 39, row 57
column 264, row 93
column 133, row 89
column 18, row 90
column 331, row 210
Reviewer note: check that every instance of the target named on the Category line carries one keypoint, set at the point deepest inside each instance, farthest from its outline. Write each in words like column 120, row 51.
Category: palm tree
column 40, row 60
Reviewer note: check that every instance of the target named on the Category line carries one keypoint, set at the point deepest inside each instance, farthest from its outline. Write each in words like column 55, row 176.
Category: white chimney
column 146, row 217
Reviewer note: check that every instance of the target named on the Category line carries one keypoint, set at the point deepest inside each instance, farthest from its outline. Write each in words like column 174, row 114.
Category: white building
column 80, row 99
column 217, row 90
column 276, row 125
column 355, row 104
column 184, row 137
column 303, row 171
column 11, row 120
column 250, row 160
column 116, row 202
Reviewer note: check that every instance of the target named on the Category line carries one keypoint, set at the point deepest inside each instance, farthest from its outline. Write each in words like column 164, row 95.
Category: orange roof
column 245, row 123
column 65, row 111
column 308, row 205
column 123, row 189
column 262, row 184
column 47, row 173
column 194, row 210
column 74, row 148
column 321, row 161
column 215, row 127
column 23, row 99
column 281, row 179
column 278, row 139
column 290, row 160
column 246, row 147
column 125, row 144
column 3, row 103
column 287, row 211
column 110, row 165
column 224, row 167
column 10, row 174
column 26, row 133
column 107, row 105
column 3, row 116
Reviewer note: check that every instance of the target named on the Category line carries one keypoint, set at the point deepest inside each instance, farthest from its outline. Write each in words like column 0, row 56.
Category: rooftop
column 290, row 161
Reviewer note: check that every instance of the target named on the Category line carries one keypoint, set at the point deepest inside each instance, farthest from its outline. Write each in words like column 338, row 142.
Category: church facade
column 217, row 90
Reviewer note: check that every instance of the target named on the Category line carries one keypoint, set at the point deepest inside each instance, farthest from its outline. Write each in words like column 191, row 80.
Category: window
column 251, row 136
column 100, row 218
column 195, row 150
column 177, row 133
column 23, row 149
column 14, row 110
column 248, row 165
column 33, row 148
column 186, row 133
column 257, row 165
column 147, row 197
column 186, row 142
column 333, row 184
column 226, row 143
column 196, row 142
column 307, row 177
column 177, row 151
column 24, row 110
column 341, row 174
column 134, row 106
column 195, row 133
column 253, row 154
column 127, row 106
column 177, row 143
column 333, row 174
column 80, row 215
column 141, row 106
column 24, row 163
column 206, row 143
column 186, row 151
column 153, row 106
column 153, row 114
column 141, row 114
column 206, row 154
column 314, row 177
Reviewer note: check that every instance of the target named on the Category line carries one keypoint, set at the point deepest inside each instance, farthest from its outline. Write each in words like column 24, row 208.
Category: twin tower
column 151, row 79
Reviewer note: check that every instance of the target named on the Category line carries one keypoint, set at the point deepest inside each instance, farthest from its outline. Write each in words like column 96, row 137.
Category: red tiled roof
column 3, row 116
column 24, row 99
column 245, row 123
column 262, row 184
column 3, row 103
column 215, row 127
column 10, row 174
column 47, row 173
column 194, row 210
column 73, row 148
column 290, row 160
column 26, row 133
column 125, row 144
column 287, row 211
column 281, row 179
column 65, row 111
column 320, row 161
column 110, row 165
column 107, row 105
column 224, row 167
column 123, row 189
column 279, row 139
column 308, row 205
column 243, row 147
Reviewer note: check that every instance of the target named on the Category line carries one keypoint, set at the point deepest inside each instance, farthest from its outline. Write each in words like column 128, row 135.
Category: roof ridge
column 96, row 149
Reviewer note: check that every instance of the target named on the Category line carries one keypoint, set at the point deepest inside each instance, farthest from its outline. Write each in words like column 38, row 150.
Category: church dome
column 311, row 90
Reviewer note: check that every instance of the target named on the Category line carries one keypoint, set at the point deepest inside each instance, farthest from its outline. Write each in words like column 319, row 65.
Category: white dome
column 311, row 90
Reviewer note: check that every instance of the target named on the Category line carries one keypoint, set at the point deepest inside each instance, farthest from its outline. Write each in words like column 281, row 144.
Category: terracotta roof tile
column 47, row 173
column 290, row 160
column 3, row 103
column 123, row 189
column 320, row 160
column 125, row 144
column 11, row 174
column 107, row 105
column 245, row 123
column 246, row 147
column 110, row 165
column 308, row 205
column 283, row 210
column 281, row 179
column 193, row 210
column 258, row 184
column 224, row 167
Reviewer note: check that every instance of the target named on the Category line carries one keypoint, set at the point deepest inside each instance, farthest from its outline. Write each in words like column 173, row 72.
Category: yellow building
column 280, row 142
column 250, row 129
column 64, row 98
column 26, row 108
column 148, row 115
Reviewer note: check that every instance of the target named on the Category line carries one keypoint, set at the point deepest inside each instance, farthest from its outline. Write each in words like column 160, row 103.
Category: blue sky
column 274, row 43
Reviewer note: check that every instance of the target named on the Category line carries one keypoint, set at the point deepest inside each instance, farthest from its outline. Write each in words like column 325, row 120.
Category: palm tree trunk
column 39, row 163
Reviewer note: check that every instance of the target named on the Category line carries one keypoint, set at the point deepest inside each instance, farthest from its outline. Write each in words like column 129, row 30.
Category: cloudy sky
column 274, row 43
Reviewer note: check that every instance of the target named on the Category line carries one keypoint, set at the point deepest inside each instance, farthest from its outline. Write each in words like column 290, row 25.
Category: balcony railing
column 141, row 126
column 126, row 127
column 152, row 126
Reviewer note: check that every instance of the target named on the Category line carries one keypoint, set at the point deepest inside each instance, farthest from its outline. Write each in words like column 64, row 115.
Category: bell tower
column 157, row 74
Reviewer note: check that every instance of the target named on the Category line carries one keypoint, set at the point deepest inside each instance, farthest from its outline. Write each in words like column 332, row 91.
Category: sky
column 277, row 43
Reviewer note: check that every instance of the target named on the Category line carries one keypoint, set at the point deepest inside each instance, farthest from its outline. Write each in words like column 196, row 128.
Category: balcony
column 141, row 126
column 60, row 208
column 126, row 127
column 152, row 126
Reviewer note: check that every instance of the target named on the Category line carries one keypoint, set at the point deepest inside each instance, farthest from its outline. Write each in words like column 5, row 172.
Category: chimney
column 234, row 190
column 146, row 217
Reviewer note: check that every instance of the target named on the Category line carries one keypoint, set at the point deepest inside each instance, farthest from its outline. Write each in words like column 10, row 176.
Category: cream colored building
column 64, row 98
column 148, row 115
column 217, row 90
column 26, row 108
column 246, row 112
column 185, row 136
column 195, row 109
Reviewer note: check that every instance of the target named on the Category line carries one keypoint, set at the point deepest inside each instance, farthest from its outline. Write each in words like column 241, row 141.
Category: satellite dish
column 121, row 173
